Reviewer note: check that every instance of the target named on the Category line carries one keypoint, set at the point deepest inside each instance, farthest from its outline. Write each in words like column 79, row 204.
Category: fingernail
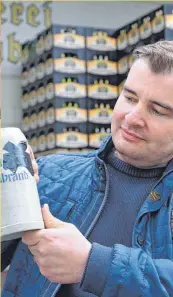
column 46, row 205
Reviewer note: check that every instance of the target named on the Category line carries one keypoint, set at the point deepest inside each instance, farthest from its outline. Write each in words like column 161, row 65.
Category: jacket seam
column 164, row 225
column 107, row 278
column 144, row 285
column 93, row 204
column 128, row 257
column 63, row 168
column 124, row 274
column 47, row 289
column 161, row 246
column 73, row 155
column 83, row 277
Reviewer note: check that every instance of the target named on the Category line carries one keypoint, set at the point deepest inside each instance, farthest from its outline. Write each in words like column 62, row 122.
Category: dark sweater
column 128, row 189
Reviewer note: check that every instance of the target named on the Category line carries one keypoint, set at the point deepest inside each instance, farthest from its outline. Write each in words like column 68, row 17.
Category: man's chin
column 132, row 159
column 127, row 154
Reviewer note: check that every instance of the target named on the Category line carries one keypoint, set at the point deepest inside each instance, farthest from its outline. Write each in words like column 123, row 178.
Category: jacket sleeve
column 7, row 251
column 131, row 273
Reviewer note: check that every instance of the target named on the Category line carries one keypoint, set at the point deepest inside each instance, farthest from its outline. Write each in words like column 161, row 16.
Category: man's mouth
column 131, row 136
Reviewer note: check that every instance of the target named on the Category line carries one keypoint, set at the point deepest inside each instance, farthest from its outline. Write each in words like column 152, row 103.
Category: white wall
column 94, row 14
column 11, row 109
column 100, row 14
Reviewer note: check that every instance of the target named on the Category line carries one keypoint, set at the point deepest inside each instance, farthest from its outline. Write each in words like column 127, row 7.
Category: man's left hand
column 60, row 251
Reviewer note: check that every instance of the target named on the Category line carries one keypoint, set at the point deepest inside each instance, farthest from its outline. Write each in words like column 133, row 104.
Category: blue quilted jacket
column 76, row 189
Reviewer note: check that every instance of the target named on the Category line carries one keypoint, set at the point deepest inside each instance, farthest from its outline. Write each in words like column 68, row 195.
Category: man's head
column 142, row 121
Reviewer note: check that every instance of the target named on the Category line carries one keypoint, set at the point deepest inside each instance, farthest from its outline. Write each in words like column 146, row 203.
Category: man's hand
column 34, row 163
column 61, row 251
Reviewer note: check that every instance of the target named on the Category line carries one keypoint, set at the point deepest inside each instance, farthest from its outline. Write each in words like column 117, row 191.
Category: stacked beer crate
column 106, row 71
column 57, row 106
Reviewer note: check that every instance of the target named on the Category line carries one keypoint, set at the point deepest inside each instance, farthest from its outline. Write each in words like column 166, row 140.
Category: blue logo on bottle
column 16, row 156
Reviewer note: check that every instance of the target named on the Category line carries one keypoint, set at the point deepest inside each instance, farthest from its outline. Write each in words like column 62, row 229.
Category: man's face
column 142, row 121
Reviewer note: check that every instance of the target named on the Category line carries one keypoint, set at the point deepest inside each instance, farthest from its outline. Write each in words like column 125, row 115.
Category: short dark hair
column 159, row 55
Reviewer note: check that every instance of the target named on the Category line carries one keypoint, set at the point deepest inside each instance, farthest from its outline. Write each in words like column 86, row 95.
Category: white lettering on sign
column 13, row 177
column 21, row 22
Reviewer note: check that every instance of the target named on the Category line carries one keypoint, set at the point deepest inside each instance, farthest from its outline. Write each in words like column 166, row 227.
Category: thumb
column 49, row 220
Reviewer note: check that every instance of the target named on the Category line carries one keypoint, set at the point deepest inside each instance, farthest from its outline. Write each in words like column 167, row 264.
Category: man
column 109, row 224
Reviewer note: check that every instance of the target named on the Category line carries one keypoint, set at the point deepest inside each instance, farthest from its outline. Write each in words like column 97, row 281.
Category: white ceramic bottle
column 21, row 208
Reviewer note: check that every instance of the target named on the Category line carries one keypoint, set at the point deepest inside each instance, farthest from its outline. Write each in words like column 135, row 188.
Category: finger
column 49, row 220
column 36, row 178
column 32, row 237
column 31, row 152
column 34, row 163
column 35, row 168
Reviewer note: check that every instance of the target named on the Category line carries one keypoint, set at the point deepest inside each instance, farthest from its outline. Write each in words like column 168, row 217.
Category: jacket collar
column 107, row 146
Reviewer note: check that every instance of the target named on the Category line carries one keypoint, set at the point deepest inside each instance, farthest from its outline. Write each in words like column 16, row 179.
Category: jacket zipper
column 95, row 219
column 102, row 205
column 55, row 291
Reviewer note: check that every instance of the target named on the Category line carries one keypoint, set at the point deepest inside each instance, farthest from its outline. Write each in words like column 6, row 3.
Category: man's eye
column 129, row 99
column 155, row 111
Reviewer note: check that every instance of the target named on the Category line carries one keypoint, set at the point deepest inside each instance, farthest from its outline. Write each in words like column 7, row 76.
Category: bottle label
column 15, row 156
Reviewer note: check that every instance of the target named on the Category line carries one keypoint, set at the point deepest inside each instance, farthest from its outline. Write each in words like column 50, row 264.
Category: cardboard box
column 102, row 63
column 102, row 87
column 70, row 86
column 65, row 61
column 100, row 39
column 100, row 111
column 67, row 37
column 168, row 11
column 145, row 27
column 97, row 133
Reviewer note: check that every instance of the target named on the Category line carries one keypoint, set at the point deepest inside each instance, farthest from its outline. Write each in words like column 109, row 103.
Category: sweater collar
column 129, row 169
column 107, row 146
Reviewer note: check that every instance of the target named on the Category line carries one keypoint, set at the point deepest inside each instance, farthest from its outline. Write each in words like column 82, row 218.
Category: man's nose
column 135, row 117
